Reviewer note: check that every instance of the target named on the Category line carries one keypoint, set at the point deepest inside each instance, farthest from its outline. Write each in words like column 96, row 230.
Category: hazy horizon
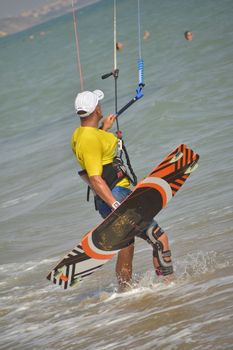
column 16, row 15
column 11, row 8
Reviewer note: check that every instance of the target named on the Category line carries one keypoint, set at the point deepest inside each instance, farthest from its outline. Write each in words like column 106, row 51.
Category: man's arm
column 101, row 188
column 97, row 182
column 108, row 121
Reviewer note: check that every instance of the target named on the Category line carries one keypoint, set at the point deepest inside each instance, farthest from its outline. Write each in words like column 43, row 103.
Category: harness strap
column 88, row 193
column 133, row 180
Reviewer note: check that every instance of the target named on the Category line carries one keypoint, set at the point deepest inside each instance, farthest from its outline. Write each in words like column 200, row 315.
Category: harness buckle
column 119, row 144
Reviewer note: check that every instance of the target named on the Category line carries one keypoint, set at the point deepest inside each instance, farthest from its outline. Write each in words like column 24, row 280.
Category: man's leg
column 124, row 266
column 156, row 236
column 162, row 257
column 125, row 256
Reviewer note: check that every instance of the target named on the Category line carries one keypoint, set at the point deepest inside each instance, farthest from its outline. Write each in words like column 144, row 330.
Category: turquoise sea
column 188, row 98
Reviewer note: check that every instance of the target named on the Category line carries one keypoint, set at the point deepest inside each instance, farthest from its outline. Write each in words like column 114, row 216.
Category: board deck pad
column 130, row 219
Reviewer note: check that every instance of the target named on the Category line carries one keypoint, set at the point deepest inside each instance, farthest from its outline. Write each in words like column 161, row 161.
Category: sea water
column 188, row 98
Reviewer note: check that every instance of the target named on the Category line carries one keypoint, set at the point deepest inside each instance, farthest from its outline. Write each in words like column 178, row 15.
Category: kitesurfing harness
column 115, row 171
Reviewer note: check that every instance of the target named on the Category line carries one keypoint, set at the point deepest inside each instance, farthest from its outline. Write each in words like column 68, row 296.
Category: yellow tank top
column 94, row 148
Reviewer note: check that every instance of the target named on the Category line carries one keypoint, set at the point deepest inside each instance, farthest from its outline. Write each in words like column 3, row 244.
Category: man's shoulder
column 81, row 131
column 75, row 132
column 87, row 137
column 89, row 132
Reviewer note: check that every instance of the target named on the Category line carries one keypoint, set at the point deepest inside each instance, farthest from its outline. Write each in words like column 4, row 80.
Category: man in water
column 95, row 149
column 146, row 35
column 119, row 46
column 188, row 35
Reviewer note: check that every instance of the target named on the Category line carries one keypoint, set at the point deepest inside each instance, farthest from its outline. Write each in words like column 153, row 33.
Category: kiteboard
column 130, row 219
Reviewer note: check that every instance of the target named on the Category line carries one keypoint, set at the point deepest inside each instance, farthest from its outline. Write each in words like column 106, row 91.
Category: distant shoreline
column 29, row 19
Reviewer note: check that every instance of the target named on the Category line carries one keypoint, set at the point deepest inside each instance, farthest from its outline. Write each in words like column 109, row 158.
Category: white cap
column 87, row 101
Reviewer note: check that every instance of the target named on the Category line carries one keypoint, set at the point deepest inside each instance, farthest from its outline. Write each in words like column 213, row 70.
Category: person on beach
column 188, row 35
column 95, row 148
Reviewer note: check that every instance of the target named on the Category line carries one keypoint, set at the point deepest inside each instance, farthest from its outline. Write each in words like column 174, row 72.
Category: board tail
column 171, row 173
